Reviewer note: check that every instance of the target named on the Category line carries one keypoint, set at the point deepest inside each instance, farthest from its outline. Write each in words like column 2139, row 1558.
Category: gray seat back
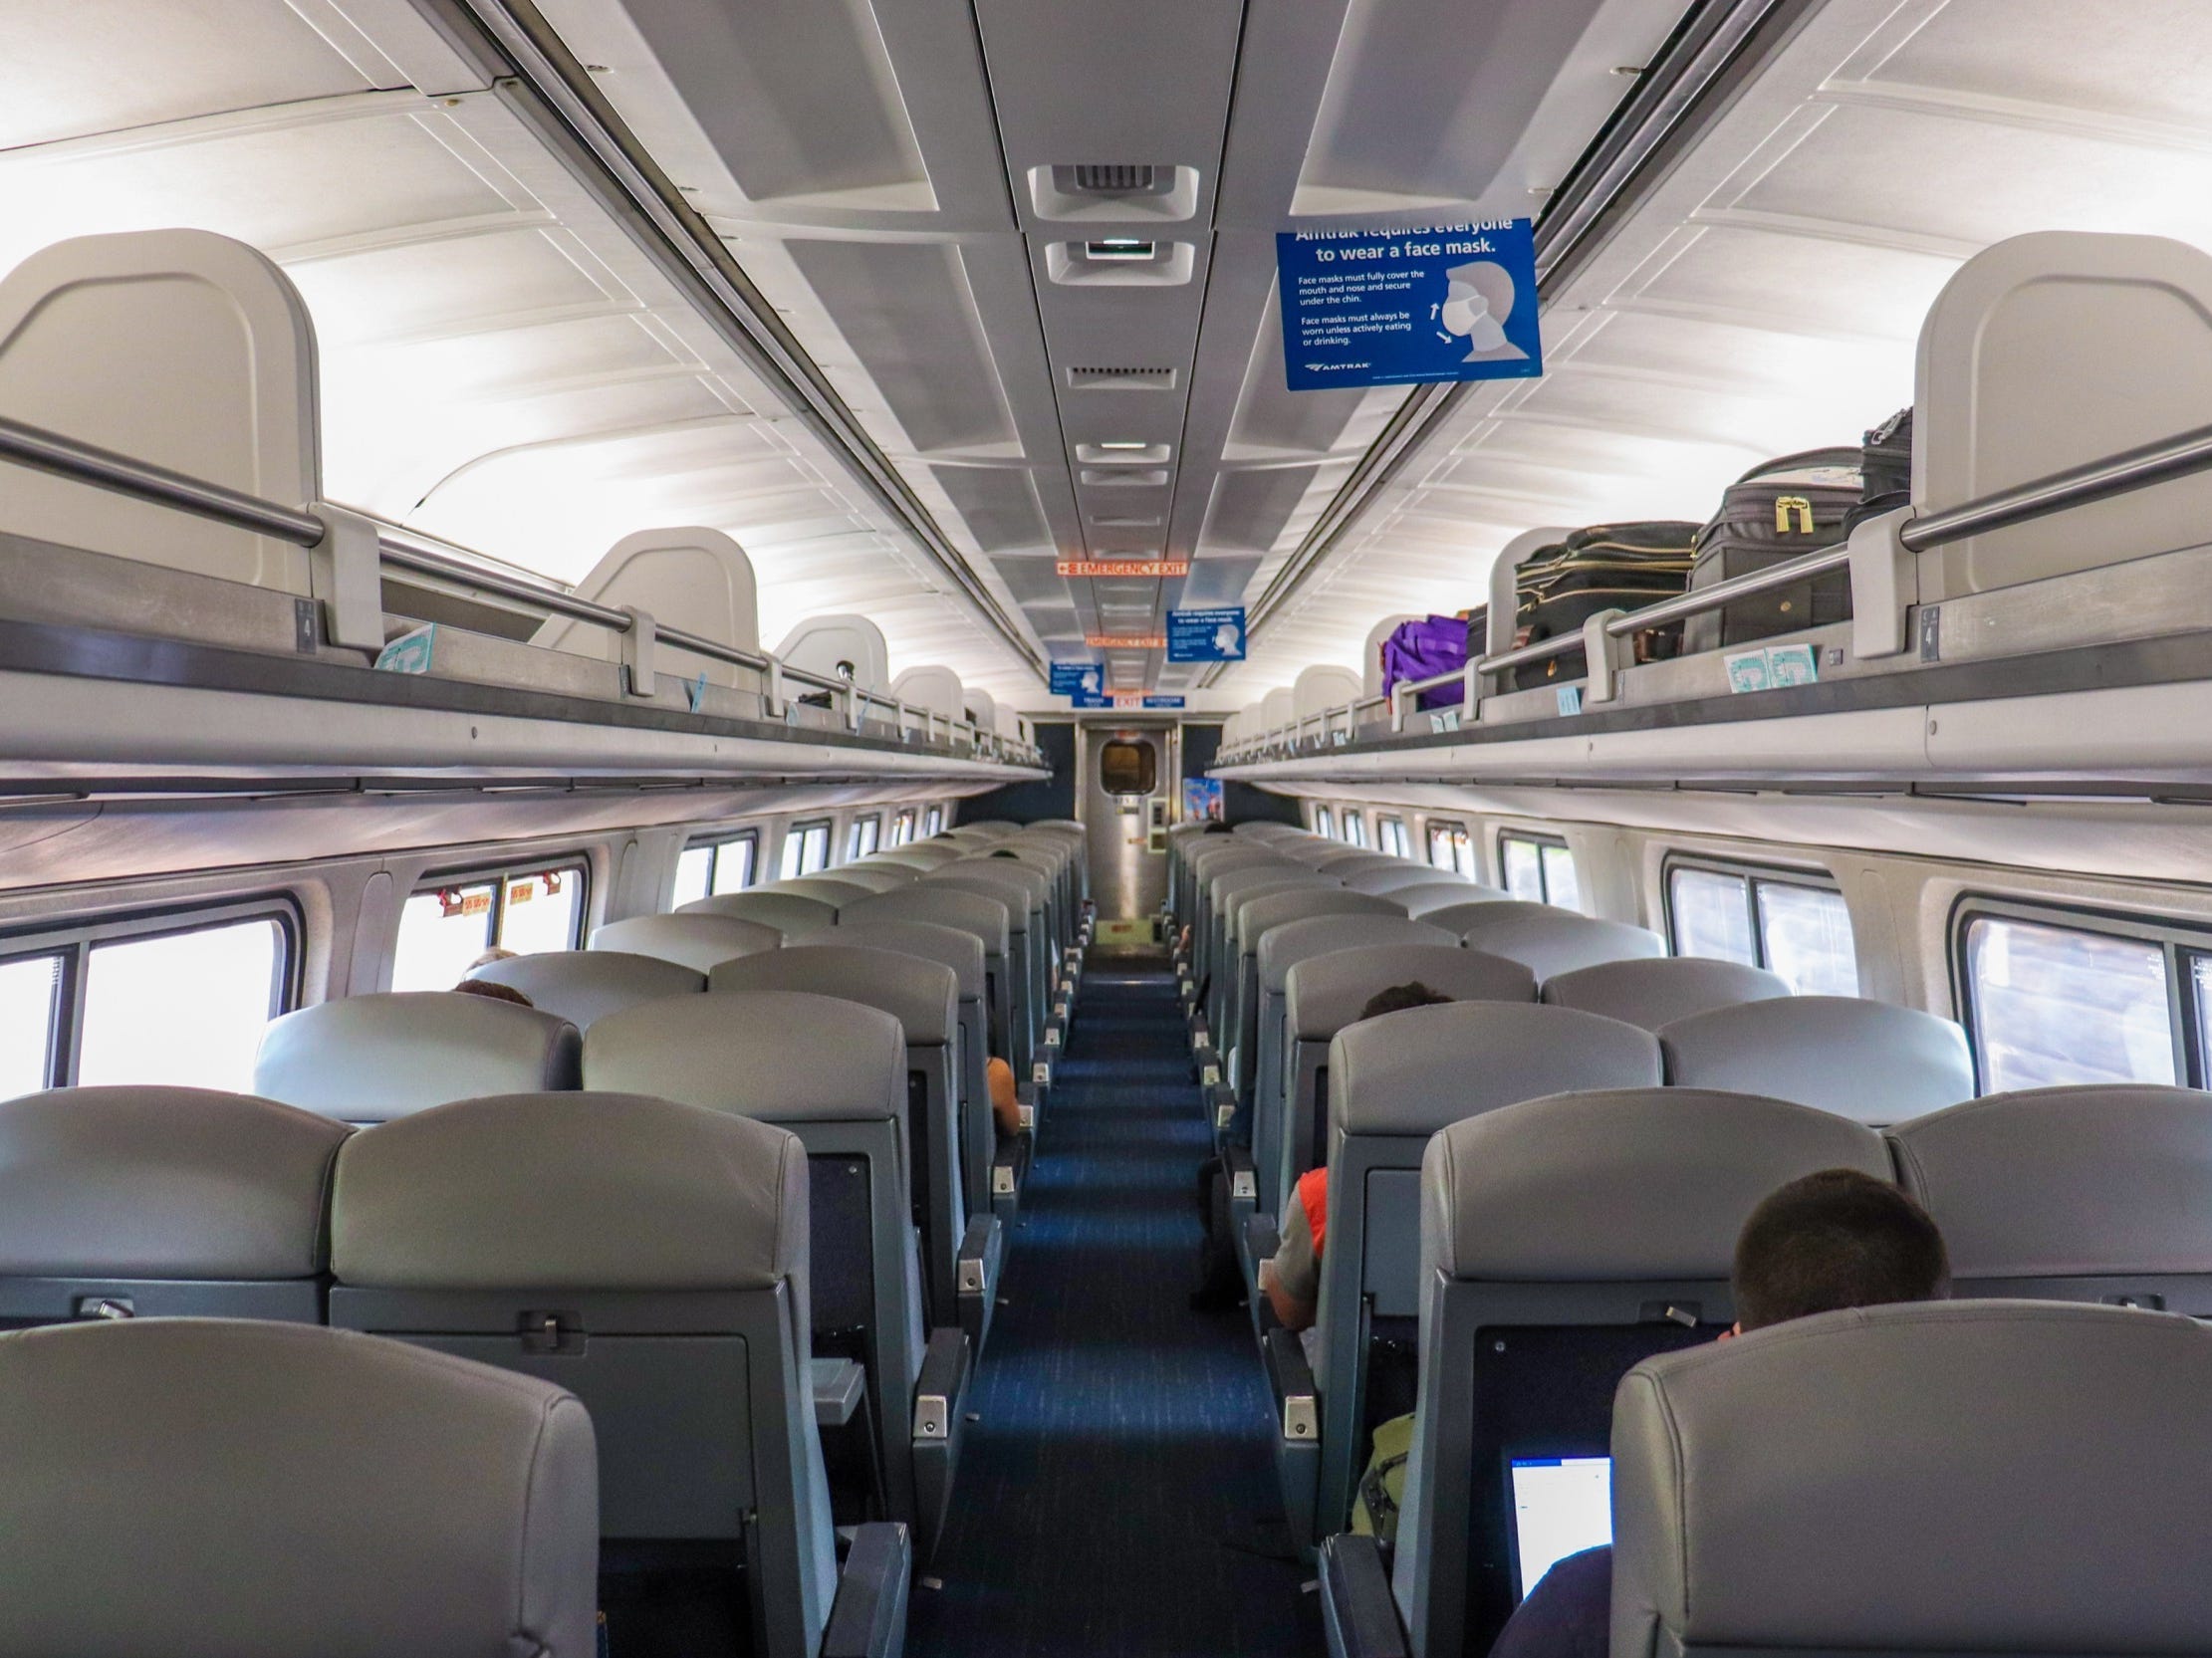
column 1562, row 1240
column 580, row 985
column 833, row 1073
column 1445, row 890
column 1281, row 948
column 786, row 913
column 963, row 953
column 1871, row 1060
column 1396, row 875
column 1396, row 1081
column 1551, row 944
column 832, row 889
column 1215, row 960
column 982, row 916
column 1252, row 916
column 1027, row 949
column 1324, row 993
column 924, row 996
column 2093, row 1193
column 159, row 1200
column 366, row 1059
column 1971, row 1477
column 264, row 1490
column 654, row 1258
column 922, row 855
column 691, row 938
column 877, row 877
column 1219, row 855
column 1652, row 992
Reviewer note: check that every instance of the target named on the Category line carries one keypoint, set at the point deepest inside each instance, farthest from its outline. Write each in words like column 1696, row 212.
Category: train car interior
column 1002, row 829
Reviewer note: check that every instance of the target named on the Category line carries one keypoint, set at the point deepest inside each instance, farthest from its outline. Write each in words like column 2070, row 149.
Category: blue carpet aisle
column 1118, row 1495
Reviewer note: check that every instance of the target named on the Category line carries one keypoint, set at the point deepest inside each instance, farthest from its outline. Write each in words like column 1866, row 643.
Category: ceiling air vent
column 1115, row 190
column 1122, row 380
column 1110, row 178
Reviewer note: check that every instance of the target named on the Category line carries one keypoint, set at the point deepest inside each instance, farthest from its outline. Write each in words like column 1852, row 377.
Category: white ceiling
column 503, row 366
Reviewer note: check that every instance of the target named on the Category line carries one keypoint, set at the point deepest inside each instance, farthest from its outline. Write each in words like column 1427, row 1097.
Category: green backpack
column 1374, row 1513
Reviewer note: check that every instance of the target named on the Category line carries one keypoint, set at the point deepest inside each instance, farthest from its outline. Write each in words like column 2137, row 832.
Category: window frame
column 1389, row 830
column 852, row 848
column 1351, row 827
column 798, row 832
column 934, row 821
column 905, row 823
column 2180, row 941
column 74, row 943
column 1539, row 841
column 1466, row 842
column 712, row 845
column 1753, row 875
column 499, row 875
column 1325, row 822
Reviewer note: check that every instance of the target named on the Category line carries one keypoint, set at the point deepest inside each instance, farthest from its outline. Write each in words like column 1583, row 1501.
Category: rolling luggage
column 1607, row 567
column 1884, row 468
column 1778, row 510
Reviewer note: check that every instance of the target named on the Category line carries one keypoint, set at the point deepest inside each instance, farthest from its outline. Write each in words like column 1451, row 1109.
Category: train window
column 1790, row 925
column 1325, row 822
column 709, row 869
column 445, row 927
column 1450, row 848
column 934, row 824
column 805, row 849
column 30, row 999
column 1356, row 828
column 1389, row 835
column 866, row 836
column 2049, row 1003
column 1539, row 870
column 182, row 1008
column 1127, row 768
column 903, row 826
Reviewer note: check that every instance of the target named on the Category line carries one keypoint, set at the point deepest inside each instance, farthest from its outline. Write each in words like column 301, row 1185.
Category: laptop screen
column 1561, row 1507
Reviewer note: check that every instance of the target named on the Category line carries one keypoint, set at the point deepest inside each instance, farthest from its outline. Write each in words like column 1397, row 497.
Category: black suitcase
column 1778, row 510
column 1884, row 469
column 1608, row 567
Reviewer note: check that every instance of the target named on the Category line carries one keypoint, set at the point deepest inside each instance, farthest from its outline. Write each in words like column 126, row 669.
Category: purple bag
column 1423, row 649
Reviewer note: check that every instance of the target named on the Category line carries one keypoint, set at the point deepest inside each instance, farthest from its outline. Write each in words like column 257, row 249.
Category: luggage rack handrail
column 2077, row 486
column 401, row 549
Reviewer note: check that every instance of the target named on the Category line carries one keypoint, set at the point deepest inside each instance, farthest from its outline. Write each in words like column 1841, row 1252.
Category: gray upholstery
column 1413, row 1073
column 920, row 855
column 935, row 904
column 1285, row 946
column 1620, row 1183
column 1860, row 1059
column 780, row 1055
column 580, row 985
column 549, row 1191
column 1325, row 993
column 1970, row 1477
column 364, row 1059
column 1445, row 890
column 877, row 877
column 1254, row 912
column 1552, row 944
column 946, row 946
column 2074, row 1182
column 921, row 995
column 786, row 913
column 213, row 1488
column 1395, row 877
column 692, row 939
column 1652, row 992
column 162, row 1183
column 831, row 888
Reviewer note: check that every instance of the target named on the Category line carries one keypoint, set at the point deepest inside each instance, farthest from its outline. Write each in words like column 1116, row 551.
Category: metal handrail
column 2077, row 486
column 402, row 548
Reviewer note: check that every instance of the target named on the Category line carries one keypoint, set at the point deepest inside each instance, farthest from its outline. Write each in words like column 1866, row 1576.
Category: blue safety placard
column 1089, row 699
column 1399, row 307
column 1202, row 798
column 1164, row 702
column 1077, row 679
column 1215, row 635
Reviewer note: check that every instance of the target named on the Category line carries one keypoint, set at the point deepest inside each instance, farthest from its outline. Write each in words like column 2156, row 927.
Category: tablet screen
column 1561, row 1507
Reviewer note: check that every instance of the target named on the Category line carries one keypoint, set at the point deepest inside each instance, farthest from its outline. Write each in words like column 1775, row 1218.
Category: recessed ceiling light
column 1119, row 247
column 1137, row 445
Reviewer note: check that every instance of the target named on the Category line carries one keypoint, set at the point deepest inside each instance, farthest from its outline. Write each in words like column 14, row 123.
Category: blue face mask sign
column 1078, row 680
column 1215, row 635
column 1401, row 307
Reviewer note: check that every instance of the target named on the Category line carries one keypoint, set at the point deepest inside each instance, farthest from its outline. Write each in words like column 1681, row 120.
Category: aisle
column 1117, row 1491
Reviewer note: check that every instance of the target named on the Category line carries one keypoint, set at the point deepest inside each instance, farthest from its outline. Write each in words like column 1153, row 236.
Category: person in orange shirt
column 1006, row 1110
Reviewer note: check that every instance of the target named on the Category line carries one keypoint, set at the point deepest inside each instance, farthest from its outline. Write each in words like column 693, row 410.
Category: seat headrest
column 693, row 941
column 1258, row 915
column 1621, row 1183
column 162, row 1183
column 1414, row 1071
column 1447, row 892
column 1031, row 886
column 1858, row 1059
column 1559, row 942
column 1655, row 991
column 922, row 996
column 1284, row 946
column 939, row 905
column 786, row 913
column 1476, row 907
column 264, row 1490
column 2069, row 1182
column 780, row 1055
column 1395, row 875
column 580, row 985
column 833, row 890
column 946, row 946
column 1324, row 993
column 1993, row 1477
column 367, row 1059
column 570, row 1191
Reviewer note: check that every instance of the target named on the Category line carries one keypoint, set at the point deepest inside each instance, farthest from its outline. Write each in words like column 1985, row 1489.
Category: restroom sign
column 1401, row 307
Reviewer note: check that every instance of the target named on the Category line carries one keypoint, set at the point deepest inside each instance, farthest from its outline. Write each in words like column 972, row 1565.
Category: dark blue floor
column 1118, row 1493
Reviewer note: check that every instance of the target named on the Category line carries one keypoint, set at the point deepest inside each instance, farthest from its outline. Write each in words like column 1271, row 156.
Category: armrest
column 1358, row 1615
column 942, row 1385
column 840, row 1384
column 979, row 1248
column 1296, row 1399
column 1262, row 1238
column 1244, row 1179
column 869, row 1618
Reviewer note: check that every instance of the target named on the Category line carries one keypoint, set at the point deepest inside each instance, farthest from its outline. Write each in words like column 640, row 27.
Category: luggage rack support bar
column 397, row 548
column 2078, row 486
